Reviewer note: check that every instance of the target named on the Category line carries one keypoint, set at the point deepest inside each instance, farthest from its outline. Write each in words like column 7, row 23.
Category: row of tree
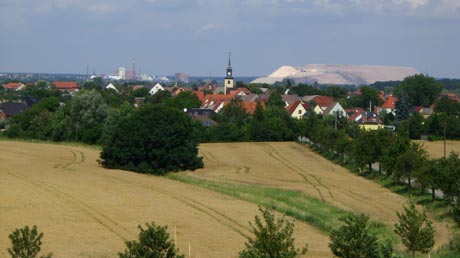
column 272, row 238
column 394, row 154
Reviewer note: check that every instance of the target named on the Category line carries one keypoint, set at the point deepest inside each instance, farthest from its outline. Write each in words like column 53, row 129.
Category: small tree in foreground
column 273, row 238
column 153, row 242
column 26, row 243
column 415, row 230
column 353, row 239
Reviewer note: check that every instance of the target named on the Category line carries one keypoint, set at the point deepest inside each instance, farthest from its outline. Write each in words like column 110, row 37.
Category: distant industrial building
column 182, row 78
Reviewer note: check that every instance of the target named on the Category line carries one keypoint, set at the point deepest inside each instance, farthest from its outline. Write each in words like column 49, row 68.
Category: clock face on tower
column 229, row 73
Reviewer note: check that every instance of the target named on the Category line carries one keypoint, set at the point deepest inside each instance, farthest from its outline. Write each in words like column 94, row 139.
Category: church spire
column 229, row 63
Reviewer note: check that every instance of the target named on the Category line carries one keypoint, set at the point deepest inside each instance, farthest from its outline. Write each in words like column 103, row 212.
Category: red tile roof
column 323, row 101
column 292, row 107
column 239, row 90
column 200, row 96
column 390, row 102
column 12, row 85
column 66, row 85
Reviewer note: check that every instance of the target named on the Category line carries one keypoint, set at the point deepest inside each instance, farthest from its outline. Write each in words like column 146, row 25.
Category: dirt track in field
column 87, row 211
column 293, row 166
column 436, row 149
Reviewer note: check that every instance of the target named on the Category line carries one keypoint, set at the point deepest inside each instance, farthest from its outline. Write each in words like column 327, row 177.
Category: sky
column 195, row 36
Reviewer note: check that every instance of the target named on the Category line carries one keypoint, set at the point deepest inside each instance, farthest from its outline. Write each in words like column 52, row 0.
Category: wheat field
column 436, row 149
column 87, row 211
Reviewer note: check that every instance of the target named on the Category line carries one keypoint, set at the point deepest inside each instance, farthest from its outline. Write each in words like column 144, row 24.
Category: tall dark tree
column 155, row 139
column 275, row 100
column 403, row 106
column 415, row 230
column 422, row 90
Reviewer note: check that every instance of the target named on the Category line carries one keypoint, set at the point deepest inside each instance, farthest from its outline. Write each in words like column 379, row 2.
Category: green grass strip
column 294, row 204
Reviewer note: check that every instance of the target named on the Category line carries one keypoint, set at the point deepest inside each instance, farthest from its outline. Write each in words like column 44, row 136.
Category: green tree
column 185, row 99
column 26, row 243
column 409, row 163
column 153, row 242
column 415, row 230
column 448, row 106
column 403, row 106
column 369, row 96
column 354, row 239
column 88, row 112
column 428, row 177
column 233, row 112
column 275, row 100
column 422, row 90
column 273, row 238
column 395, row 146
column 450, row 180
column 155, row 139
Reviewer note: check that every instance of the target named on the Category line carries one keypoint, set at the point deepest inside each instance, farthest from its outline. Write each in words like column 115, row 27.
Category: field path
column 295, row 167
column 87, row 211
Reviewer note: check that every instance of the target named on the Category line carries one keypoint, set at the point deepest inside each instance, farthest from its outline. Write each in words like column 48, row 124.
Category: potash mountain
column 338, row 74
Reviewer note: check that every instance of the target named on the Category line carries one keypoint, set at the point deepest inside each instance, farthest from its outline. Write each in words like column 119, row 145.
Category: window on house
column 300, row 112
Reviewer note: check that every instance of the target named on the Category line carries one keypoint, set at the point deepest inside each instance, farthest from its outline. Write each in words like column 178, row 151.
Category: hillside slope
column 87, row 211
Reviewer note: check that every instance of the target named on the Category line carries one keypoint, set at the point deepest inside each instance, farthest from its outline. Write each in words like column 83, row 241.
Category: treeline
column 392, row 154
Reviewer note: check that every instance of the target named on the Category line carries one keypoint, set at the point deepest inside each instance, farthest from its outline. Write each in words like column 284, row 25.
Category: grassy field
column 87, row 211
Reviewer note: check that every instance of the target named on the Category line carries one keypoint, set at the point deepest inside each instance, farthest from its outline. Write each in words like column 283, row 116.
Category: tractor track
column 120, row 231
column 275, row 155
column 220, row 217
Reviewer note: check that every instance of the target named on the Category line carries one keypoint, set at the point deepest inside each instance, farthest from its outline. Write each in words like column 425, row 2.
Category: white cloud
column 102, row 8
column 211, row 27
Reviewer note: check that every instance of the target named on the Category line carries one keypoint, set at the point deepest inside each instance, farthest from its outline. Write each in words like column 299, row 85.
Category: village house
column 14, row 86
column 66, row 86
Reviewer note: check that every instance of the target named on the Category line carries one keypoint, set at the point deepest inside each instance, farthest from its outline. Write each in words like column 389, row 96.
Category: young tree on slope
column 415, row 230
column 153, row 242
column 26, row 243
column 273, row 238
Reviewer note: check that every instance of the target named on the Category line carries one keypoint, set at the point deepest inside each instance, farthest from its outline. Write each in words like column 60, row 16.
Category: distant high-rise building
column 182, row 78
column 122, row 73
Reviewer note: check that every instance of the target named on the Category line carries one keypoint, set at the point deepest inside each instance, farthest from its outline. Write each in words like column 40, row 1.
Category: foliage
column 153, row 242
column 403, row 106
column 34, row 122
column 275, row 100
column 272, row 238
column 185, row 99
column 415, row 230
column 409, row 163
column 156, row 139
column 422, row 90
column 369, row 95
column 448, row 106
column 449, row 180
column 26, row 243
column 87, row 113
column 354, row 239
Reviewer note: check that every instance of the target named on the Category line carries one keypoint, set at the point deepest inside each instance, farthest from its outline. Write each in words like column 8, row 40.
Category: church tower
column 228, row 81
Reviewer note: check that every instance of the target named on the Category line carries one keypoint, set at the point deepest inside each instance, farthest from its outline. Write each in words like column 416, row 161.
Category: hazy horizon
column 195, row 36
